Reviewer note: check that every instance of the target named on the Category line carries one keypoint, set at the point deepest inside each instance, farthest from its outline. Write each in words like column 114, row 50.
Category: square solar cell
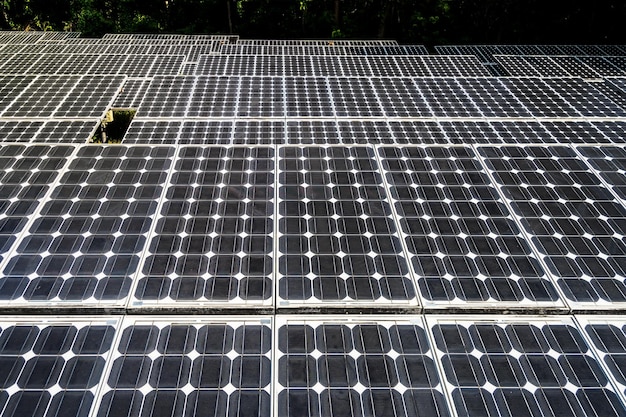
column 571, row 217
column 315, row 132
column 464, row 245
column 526, row 366
column 355, row 367
column 213, row 242
column 53, row 367
column 337, row 241
column 218, row 366
column 84, row 245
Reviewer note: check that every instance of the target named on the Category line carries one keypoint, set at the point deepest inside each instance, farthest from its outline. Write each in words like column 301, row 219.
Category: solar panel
column 84, row 245
column 259, row 132
column 573, row 220
column 399, row 97
column 308, row 97
column 606, row 337
column 464, row 245
column 354, row 97
column 610, row 163
column 28, row 173
column 312, row 132
column 213, row 243
column 153, row 132
column 356, row 367
column 337, row 241
column 196, row 365
column 66, row 131
column 416, row 132
column 131, row 94
column 23, row 131
column 527, row 366
column 53, row 366
column 364, row 132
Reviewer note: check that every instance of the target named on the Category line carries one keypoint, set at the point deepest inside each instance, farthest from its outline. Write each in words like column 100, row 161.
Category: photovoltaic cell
column 573, row 220
column 370, row 366
column 84, row 245
column 213, row 239
column 215, row 365
column 521, row 367
column 464, row 245
column 52, row 367
column 337, row 242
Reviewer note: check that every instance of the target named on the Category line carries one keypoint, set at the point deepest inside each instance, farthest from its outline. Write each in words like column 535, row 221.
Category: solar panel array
column 311, row 228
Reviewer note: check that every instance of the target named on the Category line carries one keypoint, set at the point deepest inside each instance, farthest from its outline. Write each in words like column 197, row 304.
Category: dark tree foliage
column 410, row 21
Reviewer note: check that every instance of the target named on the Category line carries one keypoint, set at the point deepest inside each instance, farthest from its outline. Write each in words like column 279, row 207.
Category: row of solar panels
column 321, row 132
column 485, row 53
column 293, row 97
column 133, row 65
column 508, row 227
column 57, row 96
column 334, row 132
column 68, row 96
column 313, row 366
column 562, row 66
column 322, row 66
column 141, row 65
column 314, row 49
